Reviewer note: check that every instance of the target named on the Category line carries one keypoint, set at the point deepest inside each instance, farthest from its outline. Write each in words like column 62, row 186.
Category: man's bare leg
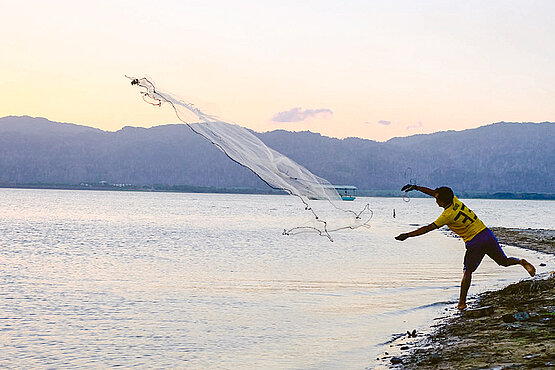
column 509, row 261
column 528, row 266
column 465, row 285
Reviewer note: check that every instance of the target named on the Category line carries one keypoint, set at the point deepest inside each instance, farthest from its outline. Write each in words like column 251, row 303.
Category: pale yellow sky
column 372, row 69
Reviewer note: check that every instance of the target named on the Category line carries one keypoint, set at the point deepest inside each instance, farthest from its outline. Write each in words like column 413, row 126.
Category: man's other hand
column 409, row 187
column 402, row 237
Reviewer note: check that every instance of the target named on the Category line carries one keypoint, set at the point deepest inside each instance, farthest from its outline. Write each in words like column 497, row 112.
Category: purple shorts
column 483, row 243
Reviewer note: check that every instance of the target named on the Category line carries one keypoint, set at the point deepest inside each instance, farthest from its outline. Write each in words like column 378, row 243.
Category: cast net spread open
column 327, row 211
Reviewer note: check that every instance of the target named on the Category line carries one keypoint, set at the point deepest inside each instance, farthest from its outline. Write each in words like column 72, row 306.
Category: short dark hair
column 445, row 195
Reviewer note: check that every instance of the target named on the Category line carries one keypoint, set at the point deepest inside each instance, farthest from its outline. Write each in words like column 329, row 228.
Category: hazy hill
column 502, row 157
column 515, row 157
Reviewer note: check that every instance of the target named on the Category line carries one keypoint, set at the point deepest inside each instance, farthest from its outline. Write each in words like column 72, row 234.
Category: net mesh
column 319, row 197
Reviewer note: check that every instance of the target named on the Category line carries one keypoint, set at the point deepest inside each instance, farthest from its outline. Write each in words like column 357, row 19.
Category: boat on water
column 346, row 192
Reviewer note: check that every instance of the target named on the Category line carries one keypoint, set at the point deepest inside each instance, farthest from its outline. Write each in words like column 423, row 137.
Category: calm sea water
column 102, row 279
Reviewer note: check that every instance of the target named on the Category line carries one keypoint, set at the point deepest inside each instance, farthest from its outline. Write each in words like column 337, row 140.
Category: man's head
column 444, row 196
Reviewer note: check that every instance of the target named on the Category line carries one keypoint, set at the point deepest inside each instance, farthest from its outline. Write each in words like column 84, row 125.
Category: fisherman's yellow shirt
column 461, row 220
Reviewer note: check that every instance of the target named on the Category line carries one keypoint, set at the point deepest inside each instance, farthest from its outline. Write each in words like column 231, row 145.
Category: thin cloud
column 415, row 126
column 297, row 114
column 382, row 122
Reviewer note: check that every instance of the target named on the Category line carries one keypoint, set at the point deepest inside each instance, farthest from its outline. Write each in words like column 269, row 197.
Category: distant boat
column 346, row 192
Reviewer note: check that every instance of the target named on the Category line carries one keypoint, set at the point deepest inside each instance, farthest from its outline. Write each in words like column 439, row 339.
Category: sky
column 370, row 69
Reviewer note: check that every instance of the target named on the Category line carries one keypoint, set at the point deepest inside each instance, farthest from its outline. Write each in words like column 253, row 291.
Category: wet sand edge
column 509, row 328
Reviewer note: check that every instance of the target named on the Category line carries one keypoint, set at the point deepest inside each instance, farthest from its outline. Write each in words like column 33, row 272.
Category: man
column 479, row 240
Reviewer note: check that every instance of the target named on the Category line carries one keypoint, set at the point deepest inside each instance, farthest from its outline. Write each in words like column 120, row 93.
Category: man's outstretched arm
column 421, row 189
column 417, row 232
column 426, row 190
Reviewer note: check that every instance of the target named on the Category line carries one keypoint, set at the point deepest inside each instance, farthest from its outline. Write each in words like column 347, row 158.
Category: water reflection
column 184, row 280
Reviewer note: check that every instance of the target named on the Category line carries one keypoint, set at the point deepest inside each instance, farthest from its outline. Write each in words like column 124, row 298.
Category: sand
column 510, row 328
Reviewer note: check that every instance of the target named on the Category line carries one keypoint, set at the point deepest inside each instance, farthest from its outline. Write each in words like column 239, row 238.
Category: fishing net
column 319, row 197
column 410, row 179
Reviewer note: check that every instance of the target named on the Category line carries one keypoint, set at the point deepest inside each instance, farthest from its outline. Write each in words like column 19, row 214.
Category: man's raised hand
column 409, row 187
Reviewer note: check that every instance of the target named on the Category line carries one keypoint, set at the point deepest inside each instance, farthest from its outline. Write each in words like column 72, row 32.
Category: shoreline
column 194, row 189
column 513, row 327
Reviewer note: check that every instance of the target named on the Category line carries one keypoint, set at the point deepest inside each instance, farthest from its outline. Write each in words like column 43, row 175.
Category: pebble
column 522, row 316
column 396, row 360
column 434, row 359
column 478, row 312
column 519, row 316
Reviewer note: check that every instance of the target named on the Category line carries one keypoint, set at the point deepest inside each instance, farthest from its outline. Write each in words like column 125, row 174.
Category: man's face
column 438, row 202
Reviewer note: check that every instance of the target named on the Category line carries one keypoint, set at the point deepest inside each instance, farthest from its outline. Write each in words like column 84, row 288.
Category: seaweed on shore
column 490, row 341
column 515, row 328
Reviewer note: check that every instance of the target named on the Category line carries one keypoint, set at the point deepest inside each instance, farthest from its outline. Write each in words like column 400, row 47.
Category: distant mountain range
column 501, row 157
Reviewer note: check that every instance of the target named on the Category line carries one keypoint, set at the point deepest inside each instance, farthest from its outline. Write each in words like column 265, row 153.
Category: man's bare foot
column 528, row 266
column 461, row 306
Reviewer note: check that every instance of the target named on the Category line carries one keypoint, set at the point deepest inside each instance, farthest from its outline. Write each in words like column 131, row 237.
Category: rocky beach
column 505, row 329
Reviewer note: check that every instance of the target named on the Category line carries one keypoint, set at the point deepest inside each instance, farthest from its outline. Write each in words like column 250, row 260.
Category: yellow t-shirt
column 461, row 220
